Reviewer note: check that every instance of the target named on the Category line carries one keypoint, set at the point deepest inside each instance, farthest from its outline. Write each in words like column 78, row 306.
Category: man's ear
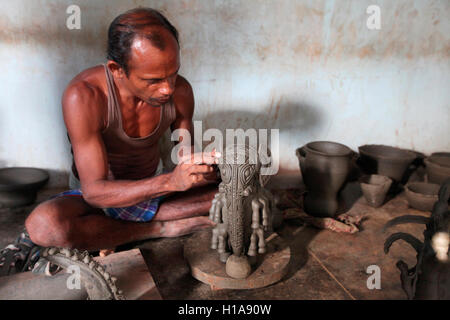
column 116, row 69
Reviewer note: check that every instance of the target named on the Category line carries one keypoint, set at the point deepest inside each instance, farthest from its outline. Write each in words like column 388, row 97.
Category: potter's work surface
column 206, row 267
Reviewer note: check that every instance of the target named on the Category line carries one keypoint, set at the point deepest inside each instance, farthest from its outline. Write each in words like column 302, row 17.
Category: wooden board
column 206, row 267
column 133, row 276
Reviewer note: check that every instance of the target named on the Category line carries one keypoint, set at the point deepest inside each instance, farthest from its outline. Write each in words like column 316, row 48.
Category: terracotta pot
column 422, row 195
column 438, row 167
column 386, row 161
column 375, row 187
column 325, row 166
column 18, row 186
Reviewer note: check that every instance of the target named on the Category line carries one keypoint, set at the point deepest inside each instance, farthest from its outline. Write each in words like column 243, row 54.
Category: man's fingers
column 202, row 157
column 200, row 168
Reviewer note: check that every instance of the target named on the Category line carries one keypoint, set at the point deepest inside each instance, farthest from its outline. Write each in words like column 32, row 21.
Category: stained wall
column 310, row 68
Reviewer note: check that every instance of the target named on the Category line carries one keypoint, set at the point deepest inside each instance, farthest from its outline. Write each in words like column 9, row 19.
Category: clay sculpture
column 325, row 167
column 242, row 209
column 99, row 284
column 430, row 278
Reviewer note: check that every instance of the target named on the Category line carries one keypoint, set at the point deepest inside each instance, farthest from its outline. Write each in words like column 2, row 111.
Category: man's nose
column 167, row 88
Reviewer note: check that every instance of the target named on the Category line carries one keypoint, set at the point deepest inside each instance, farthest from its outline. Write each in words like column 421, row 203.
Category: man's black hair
column 134, row 22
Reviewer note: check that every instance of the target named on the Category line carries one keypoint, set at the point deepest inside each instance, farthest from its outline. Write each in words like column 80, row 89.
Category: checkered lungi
column 141, row 212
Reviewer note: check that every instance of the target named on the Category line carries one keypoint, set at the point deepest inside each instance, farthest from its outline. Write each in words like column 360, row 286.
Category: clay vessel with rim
column 422, row 195
column 374, row 188
column 325, row 166
column 438, row 167
column 386, row 160
column 19, row 185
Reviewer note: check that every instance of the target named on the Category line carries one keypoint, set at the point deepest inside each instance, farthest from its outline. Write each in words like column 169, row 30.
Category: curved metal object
column 99, row 284
column 430, row 277
column 413, row 241
column 406, row 219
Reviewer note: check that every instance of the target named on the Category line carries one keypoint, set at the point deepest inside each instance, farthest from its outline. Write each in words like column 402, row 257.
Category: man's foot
column 106, row 252
column 19, row 256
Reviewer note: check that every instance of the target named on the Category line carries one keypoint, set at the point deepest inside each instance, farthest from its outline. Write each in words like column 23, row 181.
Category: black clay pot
column 325, row 166
column 18, row 186
column 386, row 161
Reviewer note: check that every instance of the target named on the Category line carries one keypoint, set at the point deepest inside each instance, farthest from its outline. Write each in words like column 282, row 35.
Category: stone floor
column 324, row 264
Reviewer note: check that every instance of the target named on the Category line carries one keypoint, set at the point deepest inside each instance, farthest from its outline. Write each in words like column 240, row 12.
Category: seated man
column 115, row 114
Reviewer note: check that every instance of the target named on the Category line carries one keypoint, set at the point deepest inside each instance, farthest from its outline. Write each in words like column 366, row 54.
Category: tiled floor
column 324, row 264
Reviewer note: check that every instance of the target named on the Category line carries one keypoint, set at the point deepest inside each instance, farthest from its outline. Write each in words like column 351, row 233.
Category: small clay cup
column 422, row 195
column 375, row 188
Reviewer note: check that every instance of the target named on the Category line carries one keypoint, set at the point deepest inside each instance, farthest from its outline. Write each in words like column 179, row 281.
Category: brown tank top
column 131, row 158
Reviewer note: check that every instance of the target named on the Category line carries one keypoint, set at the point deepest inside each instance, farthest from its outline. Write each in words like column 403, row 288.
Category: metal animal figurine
column 430, row 278
column 242, row 209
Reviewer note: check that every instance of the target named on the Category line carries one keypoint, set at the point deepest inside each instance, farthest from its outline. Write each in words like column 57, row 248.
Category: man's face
column 152, row 72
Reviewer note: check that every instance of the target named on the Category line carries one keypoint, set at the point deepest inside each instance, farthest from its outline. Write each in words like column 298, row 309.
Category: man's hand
column 195, row 170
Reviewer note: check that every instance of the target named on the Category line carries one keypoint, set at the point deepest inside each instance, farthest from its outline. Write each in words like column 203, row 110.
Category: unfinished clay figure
column 242, row 209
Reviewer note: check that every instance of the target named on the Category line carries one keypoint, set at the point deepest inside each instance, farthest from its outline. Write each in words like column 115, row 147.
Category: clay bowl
column 386, row 161
column 18, row 186
column 374, row 188
column 438, row 167
column 422, row 195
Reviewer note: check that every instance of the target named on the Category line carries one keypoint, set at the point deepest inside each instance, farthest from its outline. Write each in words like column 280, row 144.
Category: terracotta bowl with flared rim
column 374, row 188
column 422, row 195
column 19, row 185
column 386, row 160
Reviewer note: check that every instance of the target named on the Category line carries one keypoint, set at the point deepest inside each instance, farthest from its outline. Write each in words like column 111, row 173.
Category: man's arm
column 184, row 105
column 84, row 122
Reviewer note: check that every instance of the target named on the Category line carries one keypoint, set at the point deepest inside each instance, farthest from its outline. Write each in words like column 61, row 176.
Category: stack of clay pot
column 422, row 195
column 438, row 167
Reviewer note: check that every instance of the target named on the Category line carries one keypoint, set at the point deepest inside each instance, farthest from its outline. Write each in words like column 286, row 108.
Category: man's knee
column 47, row 225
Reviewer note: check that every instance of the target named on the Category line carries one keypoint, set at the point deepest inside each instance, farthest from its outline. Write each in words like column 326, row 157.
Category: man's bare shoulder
column 183, row 96
column 85, row 96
